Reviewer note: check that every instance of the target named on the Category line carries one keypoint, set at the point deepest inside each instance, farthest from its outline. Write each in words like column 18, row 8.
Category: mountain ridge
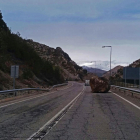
column 97, row 71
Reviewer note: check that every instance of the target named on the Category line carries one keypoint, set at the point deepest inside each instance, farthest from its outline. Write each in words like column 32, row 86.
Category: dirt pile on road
column 99, row 84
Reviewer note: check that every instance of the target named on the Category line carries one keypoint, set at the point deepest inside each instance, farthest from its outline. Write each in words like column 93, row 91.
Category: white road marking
column 31, row 98
column 25, row 100
column 59, row 113
column 127, row 101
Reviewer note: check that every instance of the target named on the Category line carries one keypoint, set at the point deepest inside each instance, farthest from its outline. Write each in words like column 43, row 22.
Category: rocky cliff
column 70, row 70
column 116, row 72
column 135, row 64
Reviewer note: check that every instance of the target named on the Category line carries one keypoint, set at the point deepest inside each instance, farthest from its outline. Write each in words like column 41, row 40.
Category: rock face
column 135, row 64
column 70, row 70
column 114, row 72
column 99, row 84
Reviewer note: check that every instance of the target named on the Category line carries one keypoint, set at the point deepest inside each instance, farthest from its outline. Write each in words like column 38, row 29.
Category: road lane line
column 27, row 99
column 127, row 101
column 47, row 127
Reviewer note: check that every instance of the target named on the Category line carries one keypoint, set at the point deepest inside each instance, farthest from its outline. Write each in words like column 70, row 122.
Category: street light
column 110, row 56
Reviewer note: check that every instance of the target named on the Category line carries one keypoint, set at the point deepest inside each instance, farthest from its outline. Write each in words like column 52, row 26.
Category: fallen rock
column 99, row 84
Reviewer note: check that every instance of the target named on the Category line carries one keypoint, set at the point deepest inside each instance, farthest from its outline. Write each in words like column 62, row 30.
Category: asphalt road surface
column 93, row 116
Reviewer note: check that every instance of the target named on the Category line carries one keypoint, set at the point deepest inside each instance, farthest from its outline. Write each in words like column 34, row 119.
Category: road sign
column 14, row 74
column 14, row 71
column 131, row 73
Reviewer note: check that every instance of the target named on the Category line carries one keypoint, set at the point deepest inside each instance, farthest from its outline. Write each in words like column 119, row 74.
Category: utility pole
column 110, row 59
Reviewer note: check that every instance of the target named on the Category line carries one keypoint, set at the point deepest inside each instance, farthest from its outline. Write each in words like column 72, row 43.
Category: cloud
column 71, row 11
column 104, row 65
column 85, row 40
column 86, row 64
column 80, row 27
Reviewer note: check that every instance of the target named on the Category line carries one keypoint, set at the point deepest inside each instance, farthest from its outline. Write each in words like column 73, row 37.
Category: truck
column 87, row 82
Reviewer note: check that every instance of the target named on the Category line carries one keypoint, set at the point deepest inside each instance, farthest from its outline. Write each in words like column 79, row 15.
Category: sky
column 80, row 27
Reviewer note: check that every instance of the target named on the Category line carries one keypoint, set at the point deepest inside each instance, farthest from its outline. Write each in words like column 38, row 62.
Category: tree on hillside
column 2, row 23
column 0, row 15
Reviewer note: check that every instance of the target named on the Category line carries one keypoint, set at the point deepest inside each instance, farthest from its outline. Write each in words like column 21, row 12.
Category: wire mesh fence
column 126, row 83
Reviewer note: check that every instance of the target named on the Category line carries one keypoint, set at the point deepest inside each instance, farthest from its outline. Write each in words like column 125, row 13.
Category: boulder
column 99, row 84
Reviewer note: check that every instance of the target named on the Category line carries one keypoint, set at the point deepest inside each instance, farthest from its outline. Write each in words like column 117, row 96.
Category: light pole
column 110, row 57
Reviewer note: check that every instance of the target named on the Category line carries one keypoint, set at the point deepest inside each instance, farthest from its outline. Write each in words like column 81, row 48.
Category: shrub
column 27, row 74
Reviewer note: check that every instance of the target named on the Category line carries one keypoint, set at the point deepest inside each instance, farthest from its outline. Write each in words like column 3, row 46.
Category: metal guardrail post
column 132, row 91
column 15, row 91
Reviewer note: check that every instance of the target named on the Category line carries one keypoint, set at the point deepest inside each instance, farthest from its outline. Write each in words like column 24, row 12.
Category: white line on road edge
column 55, row 117
column 127, row 101
column 27, row 99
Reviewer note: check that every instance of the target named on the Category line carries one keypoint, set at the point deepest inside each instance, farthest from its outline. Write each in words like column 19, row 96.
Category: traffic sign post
column 14, row 74
column 130, row 73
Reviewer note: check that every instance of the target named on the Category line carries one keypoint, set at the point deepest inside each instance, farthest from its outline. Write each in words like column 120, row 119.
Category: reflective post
column 14, row 79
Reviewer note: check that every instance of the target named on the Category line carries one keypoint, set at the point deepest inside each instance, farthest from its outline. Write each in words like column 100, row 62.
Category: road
column 98, row 116
column 92, row 116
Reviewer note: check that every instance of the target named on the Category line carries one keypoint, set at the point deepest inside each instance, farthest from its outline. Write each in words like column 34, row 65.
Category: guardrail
column 14, row 91
column 58, row 85
column 128, row 89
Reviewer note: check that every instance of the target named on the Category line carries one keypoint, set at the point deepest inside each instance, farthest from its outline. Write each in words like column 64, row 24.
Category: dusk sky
column 80, row 27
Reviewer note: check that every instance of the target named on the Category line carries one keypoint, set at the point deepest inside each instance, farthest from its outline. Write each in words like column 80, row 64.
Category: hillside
column 39, row 65
column 69, row 69
column 116, row 72
column 135, row 64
